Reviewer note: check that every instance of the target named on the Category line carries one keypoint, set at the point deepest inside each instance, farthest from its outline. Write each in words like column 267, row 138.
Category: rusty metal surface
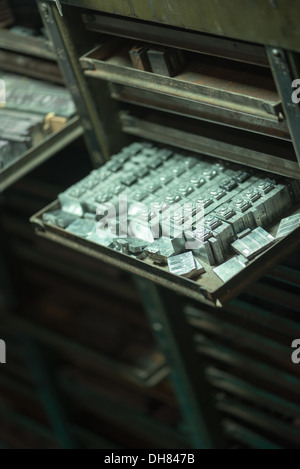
column 206, row 82
column 187, row 40
column 204, row 112
column 272, row 22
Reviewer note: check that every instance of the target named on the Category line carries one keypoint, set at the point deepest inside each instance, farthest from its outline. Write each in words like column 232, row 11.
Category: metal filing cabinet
column 27, row 61
column 204, row 87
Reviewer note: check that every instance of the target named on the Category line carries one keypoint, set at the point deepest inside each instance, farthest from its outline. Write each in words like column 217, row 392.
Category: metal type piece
column 163, row 248
column 224, row 234
column 121, row 245
column 141, row 230
column 81, row 227
column 244, row 233
column 229, row 184
column 185, row 265
column 217, row 249
column 288, row 225
column 21, row 127
column 243, row 260
column 241, row 204
column 59, row 218
column 218, row 193
column 282, row 200
column 72, row 201
column 229, row 269
column 253, row 244
column 164, row 61
column 139, row 58
column 212, row 223
column 31, row 96
column 205, row 253
column 197, row 237
column 136, row 246
column 242, row 176
column 197, row 241
column 197, row 181
column 102, row 241
column 259, row 207
column 226, row 212
column 236, row 220
column 221, row 230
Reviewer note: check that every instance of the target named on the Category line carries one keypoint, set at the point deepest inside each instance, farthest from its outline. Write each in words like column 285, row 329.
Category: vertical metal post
column 48, row 393
column 96, row 112
column 282, row 65
column 175, row 338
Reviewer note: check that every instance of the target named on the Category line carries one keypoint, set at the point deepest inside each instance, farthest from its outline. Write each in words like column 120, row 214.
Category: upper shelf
column 259, row 21
column 201, row 80
column 28, row 55
column 209, row 89
column 187, row 40
column 28, row 45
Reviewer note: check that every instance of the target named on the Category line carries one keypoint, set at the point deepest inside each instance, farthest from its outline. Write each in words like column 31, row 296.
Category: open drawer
column 246, row 95
column 143, row 173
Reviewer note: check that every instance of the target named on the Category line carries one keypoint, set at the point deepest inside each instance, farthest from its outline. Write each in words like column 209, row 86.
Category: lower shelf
column 40, row 153
column 192, row 136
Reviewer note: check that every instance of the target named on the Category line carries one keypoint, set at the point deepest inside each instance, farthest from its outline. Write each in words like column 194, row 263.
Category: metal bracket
column 59, row 7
